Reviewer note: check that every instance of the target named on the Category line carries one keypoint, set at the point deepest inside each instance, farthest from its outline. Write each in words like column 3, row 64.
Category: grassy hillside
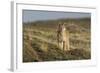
column 43, row 46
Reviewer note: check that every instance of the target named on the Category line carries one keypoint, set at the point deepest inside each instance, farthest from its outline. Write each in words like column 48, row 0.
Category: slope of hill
column 43, row 46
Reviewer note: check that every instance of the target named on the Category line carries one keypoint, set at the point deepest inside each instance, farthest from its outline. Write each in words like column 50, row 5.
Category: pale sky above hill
column 33, row 15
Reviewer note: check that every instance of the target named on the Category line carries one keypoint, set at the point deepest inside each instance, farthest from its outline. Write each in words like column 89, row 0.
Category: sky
column 36, row 15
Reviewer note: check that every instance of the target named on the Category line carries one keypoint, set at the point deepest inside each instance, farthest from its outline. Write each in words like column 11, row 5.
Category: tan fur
column 63, row 37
